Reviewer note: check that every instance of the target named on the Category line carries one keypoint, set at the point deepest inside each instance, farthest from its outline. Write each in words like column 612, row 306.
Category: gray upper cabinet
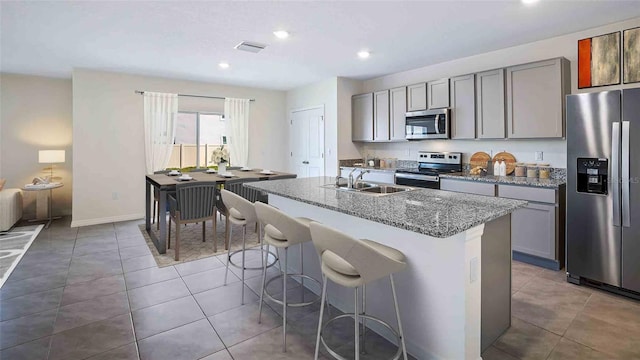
column 362, row 117
column 438, row 94
column 463, row 107
column 490, row 104
column 381, row 116
column 397, row 111
column 417, row 97
column 535, row 96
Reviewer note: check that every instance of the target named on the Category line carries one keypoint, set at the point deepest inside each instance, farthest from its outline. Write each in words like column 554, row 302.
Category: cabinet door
column 438, row 94
column 533, row 230
column 381, row 116
column 397, row 111
column 463, row 107
column 490, row 104
column 362, row 117
column 417, row 97
column 535, row 95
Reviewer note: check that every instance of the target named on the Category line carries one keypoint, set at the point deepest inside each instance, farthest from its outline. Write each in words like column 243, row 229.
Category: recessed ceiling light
column 223, row 65
column 363, row 54
column 529, row 2
column 281, row 34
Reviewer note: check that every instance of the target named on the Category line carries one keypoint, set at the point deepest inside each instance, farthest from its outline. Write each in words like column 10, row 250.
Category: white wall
column 108, row 137
column 35, row 114
column 554, row 150
column 323, row 93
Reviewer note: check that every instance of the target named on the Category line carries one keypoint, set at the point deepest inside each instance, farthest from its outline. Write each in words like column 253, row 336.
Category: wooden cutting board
column 479, row 159
column 508, row 158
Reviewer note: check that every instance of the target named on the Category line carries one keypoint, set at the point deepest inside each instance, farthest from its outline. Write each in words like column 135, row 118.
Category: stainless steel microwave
column 428, row 124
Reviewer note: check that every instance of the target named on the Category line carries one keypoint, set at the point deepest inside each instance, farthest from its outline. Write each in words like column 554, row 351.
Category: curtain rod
column 196, row 96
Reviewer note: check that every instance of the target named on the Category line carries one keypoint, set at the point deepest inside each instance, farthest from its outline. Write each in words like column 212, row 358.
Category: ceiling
column 187, row 40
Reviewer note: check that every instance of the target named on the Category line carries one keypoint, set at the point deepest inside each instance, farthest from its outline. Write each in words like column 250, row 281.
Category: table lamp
column 51, row 157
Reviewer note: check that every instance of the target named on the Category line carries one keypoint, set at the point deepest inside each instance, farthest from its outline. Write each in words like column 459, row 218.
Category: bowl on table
column 185, row 177
column 266, row 172
column 246, row 169
column 173, row 173
column 211, row 171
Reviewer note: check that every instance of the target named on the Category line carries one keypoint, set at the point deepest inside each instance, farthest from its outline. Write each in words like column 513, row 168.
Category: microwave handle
column 438, row 124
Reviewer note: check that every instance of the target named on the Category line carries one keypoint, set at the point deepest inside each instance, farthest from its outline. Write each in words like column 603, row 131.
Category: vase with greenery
column 220, row 156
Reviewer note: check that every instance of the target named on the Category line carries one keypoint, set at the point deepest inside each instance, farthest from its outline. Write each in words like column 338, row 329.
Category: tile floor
column 95, row 293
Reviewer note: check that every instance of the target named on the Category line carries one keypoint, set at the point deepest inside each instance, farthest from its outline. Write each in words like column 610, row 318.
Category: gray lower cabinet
column 397, row 111
column 533, row 230
column 438, row 94
column 381, row 115
column 362, row 117
column 535, row 99
column 463, row 107
column 417, row 97
column 537, row 231
column 490, row 104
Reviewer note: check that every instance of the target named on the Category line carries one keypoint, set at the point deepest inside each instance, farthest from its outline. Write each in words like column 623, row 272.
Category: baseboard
column 106, row 220
column 535, row 260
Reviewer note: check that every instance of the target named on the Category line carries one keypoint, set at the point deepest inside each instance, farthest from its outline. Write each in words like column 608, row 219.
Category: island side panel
column 496, row 279
column 439, row 301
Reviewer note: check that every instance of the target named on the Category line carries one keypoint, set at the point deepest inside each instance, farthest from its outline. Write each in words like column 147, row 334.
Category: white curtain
column 236, row 116
column 160, row 117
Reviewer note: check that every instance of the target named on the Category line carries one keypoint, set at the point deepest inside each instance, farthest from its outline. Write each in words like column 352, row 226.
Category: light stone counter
column 426, row 211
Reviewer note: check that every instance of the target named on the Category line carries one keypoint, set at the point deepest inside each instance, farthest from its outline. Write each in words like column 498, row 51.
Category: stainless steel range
column 430, row 166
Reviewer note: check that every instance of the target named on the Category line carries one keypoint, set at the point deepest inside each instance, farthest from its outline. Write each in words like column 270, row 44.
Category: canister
column 544, row 171
column 532, row 171
column 521, row 170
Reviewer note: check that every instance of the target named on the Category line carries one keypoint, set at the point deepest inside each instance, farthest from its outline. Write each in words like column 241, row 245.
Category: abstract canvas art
column 631, row 55
column 599, row 61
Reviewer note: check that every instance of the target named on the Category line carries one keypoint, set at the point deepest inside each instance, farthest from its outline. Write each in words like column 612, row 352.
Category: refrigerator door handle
column 615, row 171
column 626, row 216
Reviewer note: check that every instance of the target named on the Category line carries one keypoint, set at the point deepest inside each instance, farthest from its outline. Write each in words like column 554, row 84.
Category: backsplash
column 555, row 173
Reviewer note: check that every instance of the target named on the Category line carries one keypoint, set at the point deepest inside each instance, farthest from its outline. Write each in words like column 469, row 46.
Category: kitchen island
column 452, row 303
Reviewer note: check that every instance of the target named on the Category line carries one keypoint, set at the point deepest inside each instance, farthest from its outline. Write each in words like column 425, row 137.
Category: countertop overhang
column 430, row 212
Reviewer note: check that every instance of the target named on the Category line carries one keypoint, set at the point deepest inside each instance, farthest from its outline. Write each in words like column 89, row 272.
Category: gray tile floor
column 95, row 293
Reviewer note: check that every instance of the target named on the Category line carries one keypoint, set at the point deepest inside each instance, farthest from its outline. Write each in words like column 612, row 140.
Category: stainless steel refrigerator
column 603, row 189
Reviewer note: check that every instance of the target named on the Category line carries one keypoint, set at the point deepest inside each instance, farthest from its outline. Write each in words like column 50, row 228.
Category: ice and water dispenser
column 593, row 175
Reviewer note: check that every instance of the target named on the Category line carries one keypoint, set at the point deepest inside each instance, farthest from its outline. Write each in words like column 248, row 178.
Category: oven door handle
column 418, row 177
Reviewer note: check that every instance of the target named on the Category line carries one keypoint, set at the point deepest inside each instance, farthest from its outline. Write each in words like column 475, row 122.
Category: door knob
column 305, row 162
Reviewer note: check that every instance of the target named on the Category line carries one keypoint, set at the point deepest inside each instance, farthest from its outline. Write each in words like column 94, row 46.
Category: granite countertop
column 507, row 180
column 426, row 211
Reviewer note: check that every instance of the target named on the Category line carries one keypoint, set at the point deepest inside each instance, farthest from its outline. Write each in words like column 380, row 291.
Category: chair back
column 368, row 262
column 293, row 229
column 242, row 205
column 161, row 172
column 253, row 195
column 196, row 200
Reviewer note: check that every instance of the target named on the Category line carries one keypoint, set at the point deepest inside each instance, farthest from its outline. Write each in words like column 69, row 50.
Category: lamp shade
column 51, row 156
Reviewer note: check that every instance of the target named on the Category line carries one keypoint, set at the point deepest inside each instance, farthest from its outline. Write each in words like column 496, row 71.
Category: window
column 197, row 134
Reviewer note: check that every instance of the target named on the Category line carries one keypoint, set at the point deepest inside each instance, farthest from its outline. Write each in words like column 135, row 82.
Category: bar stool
column 241, row 211
column 353, row 263
column 283, row 231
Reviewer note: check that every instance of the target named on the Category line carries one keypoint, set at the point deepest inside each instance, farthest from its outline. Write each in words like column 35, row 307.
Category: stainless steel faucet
column 350, row 179
column 355, row 184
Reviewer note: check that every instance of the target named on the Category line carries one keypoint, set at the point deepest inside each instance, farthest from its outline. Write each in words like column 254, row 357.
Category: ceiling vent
column 250, row 46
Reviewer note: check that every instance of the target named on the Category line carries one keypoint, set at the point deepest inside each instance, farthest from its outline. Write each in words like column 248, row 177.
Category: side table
column 45, row 187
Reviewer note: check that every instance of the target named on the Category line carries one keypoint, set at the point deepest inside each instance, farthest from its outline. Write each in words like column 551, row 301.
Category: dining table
column 166, row 183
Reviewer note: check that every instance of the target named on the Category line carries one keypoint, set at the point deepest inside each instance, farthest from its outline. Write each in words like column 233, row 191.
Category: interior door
column 307, row 142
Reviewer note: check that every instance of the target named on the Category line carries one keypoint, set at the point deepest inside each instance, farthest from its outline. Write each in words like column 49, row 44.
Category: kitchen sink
column 370, row 188
column 386, row 189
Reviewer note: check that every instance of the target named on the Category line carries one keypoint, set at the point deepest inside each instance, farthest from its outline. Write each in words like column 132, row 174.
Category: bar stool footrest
column 239, row 266
column 289, row 304
column 398, row 353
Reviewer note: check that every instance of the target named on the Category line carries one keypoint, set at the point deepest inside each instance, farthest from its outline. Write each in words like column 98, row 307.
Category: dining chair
column 236, row 187
column 193, row 202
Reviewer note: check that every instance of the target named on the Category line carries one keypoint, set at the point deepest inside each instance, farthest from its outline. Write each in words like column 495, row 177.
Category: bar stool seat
column 353, row 263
